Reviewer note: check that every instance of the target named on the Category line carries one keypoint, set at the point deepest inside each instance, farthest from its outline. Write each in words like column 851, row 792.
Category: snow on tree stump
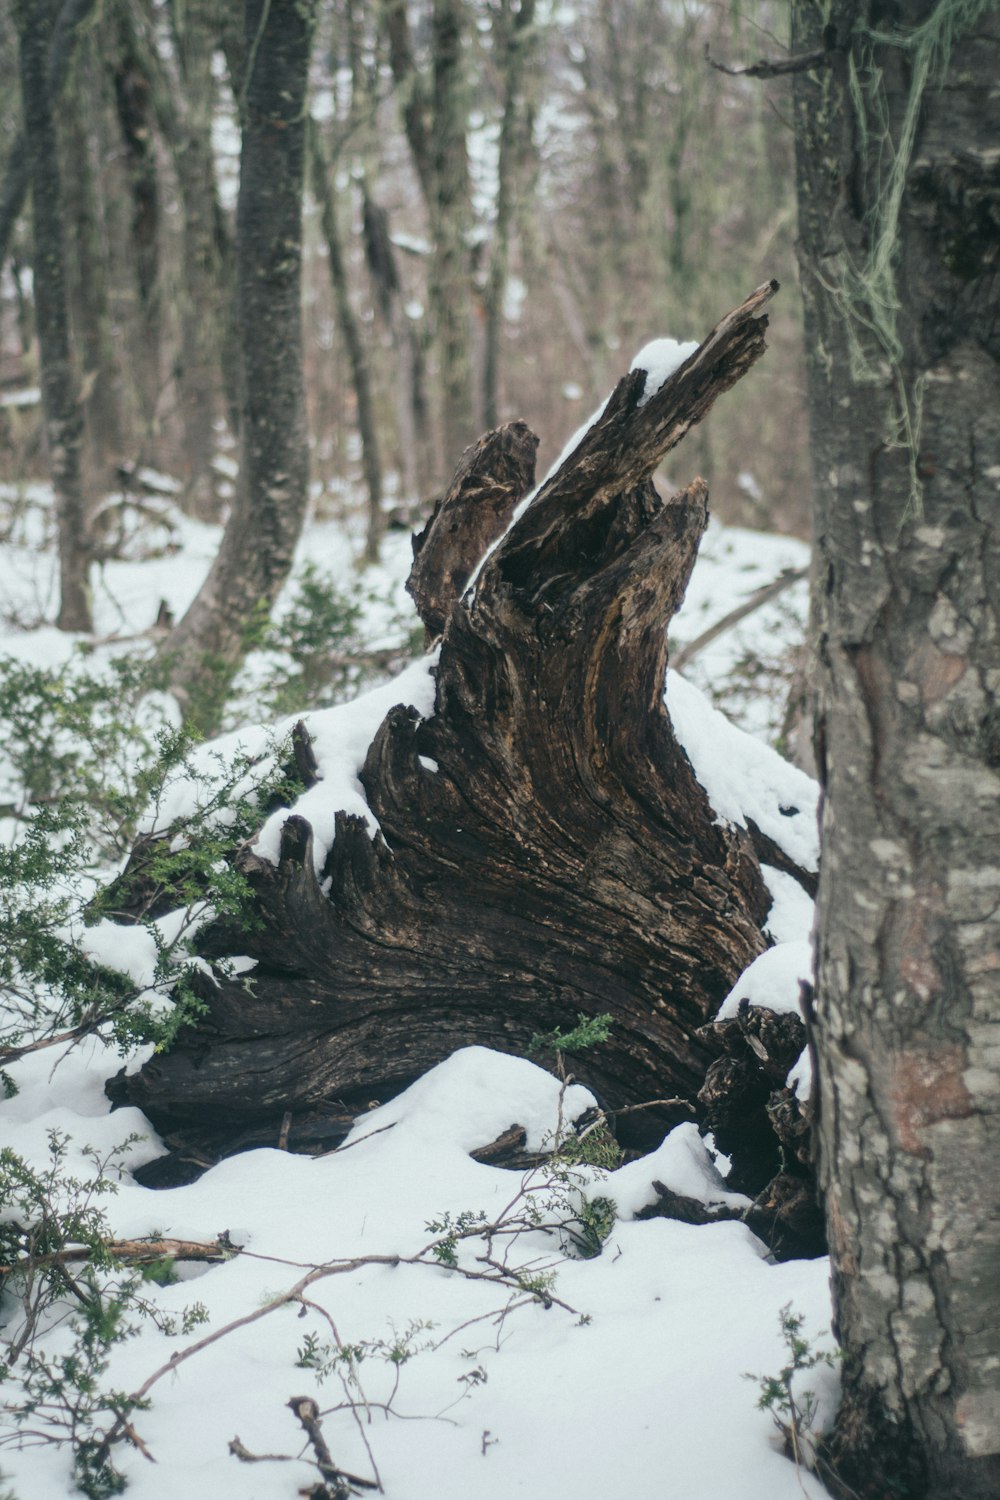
column 544, row 849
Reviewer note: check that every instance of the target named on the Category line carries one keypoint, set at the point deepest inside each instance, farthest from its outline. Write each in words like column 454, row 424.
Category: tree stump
column 545, row 851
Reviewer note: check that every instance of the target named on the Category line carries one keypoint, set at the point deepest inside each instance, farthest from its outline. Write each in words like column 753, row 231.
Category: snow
column 340, row 740
column 773, row 980
column 660, row 359
column 29, row 396
column 683, row 1164
column 743, row 777
column 655, row 1335
column 792, row 911
column 748, row 669
column 412, row 244
column 639, row 1389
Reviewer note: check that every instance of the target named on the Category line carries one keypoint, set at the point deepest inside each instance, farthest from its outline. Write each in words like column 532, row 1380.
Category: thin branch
column 802, row 62
column 131, row 1252
column 307, row 1411
column 757, row 600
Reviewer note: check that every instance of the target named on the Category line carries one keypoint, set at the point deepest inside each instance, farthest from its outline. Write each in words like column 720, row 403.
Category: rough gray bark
column 61, row 409
column 902, row 335
column 545, row 849
column 259, row 542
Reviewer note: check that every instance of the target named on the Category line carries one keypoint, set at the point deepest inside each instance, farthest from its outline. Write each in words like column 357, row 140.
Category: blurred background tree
column 523, row 192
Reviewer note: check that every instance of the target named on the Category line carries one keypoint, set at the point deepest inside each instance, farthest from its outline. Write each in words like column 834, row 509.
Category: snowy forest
column 500, row 749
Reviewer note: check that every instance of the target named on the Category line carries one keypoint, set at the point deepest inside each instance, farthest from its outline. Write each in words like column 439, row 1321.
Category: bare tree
column 897, row 119
column 62, row 40
column 325, row 192
column 257, row 549
column 513, row 29
column 60, row 392
column 434, row 103
column 83, row 121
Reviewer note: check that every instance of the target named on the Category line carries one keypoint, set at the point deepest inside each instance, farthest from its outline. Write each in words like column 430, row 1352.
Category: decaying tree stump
column 545, row 849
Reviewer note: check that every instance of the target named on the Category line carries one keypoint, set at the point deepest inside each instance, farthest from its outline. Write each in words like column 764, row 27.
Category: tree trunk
column 133, row 88
column 545, row 850
column 325, row 195
column 87, row 271
column 513, row 35
column 258, row 546
column 435, row 122
column 199, row 380
column 59, row 56
column 60, row 401
column 451, row 219
column 899, row 214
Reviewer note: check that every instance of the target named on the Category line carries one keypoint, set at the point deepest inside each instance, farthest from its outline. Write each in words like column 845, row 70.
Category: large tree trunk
column 257, row 549
column 899, row 216
column 60, row 396
column 545, row 850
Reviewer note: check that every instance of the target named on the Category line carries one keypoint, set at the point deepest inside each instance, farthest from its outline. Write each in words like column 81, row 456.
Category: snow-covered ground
column 620, row 1375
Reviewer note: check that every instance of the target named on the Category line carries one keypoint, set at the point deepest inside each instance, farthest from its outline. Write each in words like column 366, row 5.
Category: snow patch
column 773, row 980
column 683, row 1164
column 792, row 911
column 743, row 777
column 660, row 359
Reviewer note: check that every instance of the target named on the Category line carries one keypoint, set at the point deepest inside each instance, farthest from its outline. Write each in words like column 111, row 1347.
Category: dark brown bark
column 544, row 850
column 259, row 542
column 902, row 303
column 60, row 398
column 475, row 510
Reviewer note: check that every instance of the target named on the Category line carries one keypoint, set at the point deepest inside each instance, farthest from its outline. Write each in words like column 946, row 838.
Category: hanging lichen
column 867, row 289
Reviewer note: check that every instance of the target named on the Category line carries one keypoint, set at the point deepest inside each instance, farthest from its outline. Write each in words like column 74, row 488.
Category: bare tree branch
column 757, row 600
column 803, row 62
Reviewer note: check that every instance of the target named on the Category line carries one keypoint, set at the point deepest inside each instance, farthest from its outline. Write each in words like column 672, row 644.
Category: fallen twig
column 130, row 1252
column 756, row 601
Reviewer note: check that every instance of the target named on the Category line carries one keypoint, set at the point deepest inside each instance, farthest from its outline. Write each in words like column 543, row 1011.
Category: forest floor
column 459, row 1336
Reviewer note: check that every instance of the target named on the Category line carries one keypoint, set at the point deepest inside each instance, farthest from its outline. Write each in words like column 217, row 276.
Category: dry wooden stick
column 307, row 1411
column 757, row 600
column 131, row 1252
